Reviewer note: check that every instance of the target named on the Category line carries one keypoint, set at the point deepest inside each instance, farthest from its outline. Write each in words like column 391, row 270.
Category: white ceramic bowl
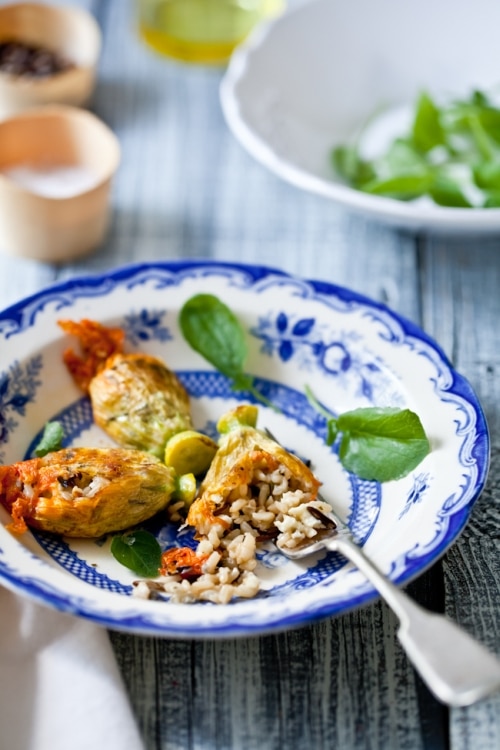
column 308, row 80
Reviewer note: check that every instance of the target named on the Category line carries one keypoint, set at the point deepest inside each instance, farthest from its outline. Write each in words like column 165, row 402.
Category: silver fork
column 455, row 667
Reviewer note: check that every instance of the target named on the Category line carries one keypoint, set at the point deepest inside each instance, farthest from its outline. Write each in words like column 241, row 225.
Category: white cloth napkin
column 60, row 686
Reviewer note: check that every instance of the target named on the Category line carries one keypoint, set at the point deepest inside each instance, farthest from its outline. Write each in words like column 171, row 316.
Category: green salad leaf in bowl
column 450, row 154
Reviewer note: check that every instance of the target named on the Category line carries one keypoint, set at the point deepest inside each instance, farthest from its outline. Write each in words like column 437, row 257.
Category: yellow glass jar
column 201, row 31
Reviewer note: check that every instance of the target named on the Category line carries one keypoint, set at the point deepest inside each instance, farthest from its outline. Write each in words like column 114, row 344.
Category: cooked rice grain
column 269, row 502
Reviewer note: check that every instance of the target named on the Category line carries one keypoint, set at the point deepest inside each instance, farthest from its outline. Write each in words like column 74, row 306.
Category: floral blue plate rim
column 352, row 350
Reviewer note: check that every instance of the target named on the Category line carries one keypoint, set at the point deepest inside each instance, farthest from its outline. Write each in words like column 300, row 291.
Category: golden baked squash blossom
column 86, row 492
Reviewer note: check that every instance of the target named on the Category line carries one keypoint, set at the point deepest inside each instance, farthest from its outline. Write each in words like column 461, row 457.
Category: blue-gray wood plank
column 185, row 188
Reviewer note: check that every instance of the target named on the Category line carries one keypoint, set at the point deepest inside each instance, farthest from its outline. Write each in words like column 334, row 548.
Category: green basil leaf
column 377, row 443
column 350, row 166
column 345, row 160
column 490, row 120
column 487, row 175
column 139, row 551
column 427, row 129
column 211, row 329
column 484, row 144
column 446, row 192
column 492, row 199
column 479, row 99
column 403, row 186
column 51, row 439
column 401, row 158
column 461, row 137
column 388, row 421
column 381, row 444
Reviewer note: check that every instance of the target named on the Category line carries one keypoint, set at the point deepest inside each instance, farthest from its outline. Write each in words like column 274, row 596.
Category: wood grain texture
column 461, row 308
column 330, row 685
column 186, row 189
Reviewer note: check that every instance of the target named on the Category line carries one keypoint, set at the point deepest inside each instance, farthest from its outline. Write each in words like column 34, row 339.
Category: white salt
column 53, row 182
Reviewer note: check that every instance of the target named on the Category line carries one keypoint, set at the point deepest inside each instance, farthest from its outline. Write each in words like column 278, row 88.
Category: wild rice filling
column 270, row 506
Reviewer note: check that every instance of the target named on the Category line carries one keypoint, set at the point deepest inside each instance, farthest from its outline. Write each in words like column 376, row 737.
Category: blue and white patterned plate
column 351, row 351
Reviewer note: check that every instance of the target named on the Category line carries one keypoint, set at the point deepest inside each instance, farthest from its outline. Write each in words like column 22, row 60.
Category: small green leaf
column 387, row 421
column 487, row 175
column 381, row 444
column 447, row 148
column 484, row 144
column 345, row 160
column 479, row 99
column 139, row 551
column 350, row 166
column 401, row 158
column 447, row 192
column 51, row 439
column 376, row 443
column 492, row 199
column 403, row 186
column 490, row 120
column 427, row 129
column 211, row 329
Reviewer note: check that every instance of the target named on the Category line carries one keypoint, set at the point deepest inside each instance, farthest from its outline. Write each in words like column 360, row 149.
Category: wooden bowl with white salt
column 48, row 55
column 56, row 170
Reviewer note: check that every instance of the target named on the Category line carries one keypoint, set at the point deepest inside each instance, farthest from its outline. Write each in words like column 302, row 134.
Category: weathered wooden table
column 186, row 189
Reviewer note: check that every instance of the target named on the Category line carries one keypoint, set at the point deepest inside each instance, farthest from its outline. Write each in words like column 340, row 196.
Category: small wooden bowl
column 70, row 32
column 45, row 146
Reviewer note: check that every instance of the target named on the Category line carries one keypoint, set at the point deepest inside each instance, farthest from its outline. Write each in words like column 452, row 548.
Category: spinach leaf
column 489, row 118
column 487, row 174
column 427, row 129
column 402, row 157
column 450, row 154
column 51, row 439
column 212, row 329
column 381, row 443
column 492, row 199
column 403, row 186
column 376, row 443
column 139, row 551
column 349, row 165
column 484, row 144
column 446, row 192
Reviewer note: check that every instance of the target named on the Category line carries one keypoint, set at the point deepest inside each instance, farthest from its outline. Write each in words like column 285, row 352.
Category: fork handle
column 455, row 667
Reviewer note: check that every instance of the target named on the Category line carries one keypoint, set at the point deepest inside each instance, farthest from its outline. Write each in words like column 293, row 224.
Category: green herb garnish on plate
column 51, row 439
column 376, row 443
column 212, row 329
column 139, row 551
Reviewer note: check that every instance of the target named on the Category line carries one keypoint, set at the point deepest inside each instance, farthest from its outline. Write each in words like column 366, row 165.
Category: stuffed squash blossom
column 86, row 492
column 254, row 491
column 136, row 399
